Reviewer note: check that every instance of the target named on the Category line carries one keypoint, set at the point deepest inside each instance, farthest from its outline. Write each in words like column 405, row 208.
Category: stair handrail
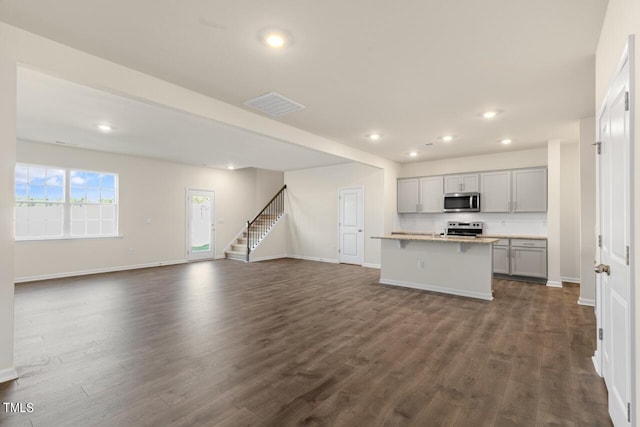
column 265, row 209
column 267, row 205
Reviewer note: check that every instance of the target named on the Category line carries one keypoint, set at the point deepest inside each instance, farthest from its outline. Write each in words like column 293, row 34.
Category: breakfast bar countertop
column 437, row 238
column 484, row 236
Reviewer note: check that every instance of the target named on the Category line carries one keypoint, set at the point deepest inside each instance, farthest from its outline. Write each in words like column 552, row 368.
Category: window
column 59, row 203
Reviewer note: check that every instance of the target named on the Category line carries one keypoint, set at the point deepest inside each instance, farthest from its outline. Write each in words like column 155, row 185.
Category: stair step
column 239, row 247
column 236, row 255
column 241, row 241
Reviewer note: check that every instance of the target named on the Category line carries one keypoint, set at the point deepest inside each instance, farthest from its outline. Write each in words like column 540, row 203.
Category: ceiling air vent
column 274, row 104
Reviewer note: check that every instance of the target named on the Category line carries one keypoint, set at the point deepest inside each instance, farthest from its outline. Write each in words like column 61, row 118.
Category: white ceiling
column 57, row 111
column 413, row 70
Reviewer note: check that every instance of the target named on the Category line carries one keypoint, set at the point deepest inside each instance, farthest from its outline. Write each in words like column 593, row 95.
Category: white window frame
column 68, row 204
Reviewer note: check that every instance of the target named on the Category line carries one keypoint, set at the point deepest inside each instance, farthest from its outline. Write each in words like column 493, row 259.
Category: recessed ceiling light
column 231, row 167
column 276, row 39
column 375, row 136
column 413, row 154
column 104, row 127
column 489, row 114
column 447, row 138
column 505, row 141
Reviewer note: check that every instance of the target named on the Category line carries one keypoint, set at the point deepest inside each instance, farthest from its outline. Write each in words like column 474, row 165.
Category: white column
column 587, row 211
column 7, row 165
column 553, row 214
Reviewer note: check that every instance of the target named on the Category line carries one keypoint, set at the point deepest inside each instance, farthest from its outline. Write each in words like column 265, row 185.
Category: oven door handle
column 471, row 202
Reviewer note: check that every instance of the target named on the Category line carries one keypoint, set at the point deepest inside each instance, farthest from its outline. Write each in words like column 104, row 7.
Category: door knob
column 602, row 268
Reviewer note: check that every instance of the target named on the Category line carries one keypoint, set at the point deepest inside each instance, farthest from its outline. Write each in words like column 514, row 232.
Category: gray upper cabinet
column 461, row 183
column 431, row 196
column 495, row 192
column 408, row 195
column 529, row 190
column 417, row 195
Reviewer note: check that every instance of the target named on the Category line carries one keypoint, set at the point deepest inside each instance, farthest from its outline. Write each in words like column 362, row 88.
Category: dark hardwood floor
column 292, row 342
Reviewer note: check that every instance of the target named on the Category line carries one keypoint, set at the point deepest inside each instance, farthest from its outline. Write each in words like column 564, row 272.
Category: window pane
column 22, row 174
column 55, row 194
column 78, row 179
column 21, row 229
column 37, row 227
column 78, row 228
column 108, row 227
column 54, row 212
column 93, row 228
column 108, row 212
column 93, row 195
column 77, row 195
column 37, row 193
column 37, row 176
column 93, row 212
column 55, row 177
column 37, row 212
column 54, row 228
column 21, row 191
column 78, row 212
column 108, row 196
column 108, row 181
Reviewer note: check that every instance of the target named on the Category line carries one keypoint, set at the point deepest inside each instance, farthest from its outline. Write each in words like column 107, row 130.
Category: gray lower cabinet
column 501, row 259
column 520, row 257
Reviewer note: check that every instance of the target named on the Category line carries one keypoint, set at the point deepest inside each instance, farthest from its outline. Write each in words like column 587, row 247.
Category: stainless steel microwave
column 462, row 202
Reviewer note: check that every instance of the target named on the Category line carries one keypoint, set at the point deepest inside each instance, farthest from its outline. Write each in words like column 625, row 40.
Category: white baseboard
column 596, row 362
column 8, row 374
column 554, row 284
column 96, row 271
column 439, row 289
column 370, row 265
column 587, row 302
column 312, row 258
column 570, row 279
column 267, row 258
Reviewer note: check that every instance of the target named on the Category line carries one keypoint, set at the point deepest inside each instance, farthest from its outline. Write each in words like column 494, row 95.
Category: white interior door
column 351, row 225
column 200, row 224
column 615, row 228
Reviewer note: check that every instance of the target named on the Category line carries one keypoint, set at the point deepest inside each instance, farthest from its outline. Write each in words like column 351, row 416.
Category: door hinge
column 598, row 145
column 600, row 334
column 628, row 412
column 626, row 101
column 599, row 240
column 339, row 251
column 626, row 254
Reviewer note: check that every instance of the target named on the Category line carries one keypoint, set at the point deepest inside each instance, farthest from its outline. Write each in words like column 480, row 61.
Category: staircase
column 257, row 230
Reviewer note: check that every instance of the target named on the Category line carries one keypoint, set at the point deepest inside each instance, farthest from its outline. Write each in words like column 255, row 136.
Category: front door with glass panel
column 200, row 225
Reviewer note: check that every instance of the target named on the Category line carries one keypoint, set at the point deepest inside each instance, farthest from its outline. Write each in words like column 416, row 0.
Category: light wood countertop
column 484, row 236
column 437, row 238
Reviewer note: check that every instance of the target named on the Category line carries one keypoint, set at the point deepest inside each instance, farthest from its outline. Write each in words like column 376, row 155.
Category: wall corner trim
column 8, row 374
column 372, row 265
column 554, row 284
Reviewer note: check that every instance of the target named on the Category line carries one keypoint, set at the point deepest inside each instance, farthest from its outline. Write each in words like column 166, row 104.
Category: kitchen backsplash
column 534, row 224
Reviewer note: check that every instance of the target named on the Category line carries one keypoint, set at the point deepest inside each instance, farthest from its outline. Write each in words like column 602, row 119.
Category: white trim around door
column 200, row 224
column 351, row 229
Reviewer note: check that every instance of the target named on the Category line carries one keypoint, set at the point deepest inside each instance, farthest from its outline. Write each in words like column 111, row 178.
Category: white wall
column 485, row 162
column 587, row 210
column 7, row 165
column 268, row 183
column 312, row 204
column 570, row 212
column 623, row 19
column 149, row 189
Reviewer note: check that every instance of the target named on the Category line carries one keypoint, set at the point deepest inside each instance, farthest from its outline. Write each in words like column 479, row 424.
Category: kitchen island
column 452, row 265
